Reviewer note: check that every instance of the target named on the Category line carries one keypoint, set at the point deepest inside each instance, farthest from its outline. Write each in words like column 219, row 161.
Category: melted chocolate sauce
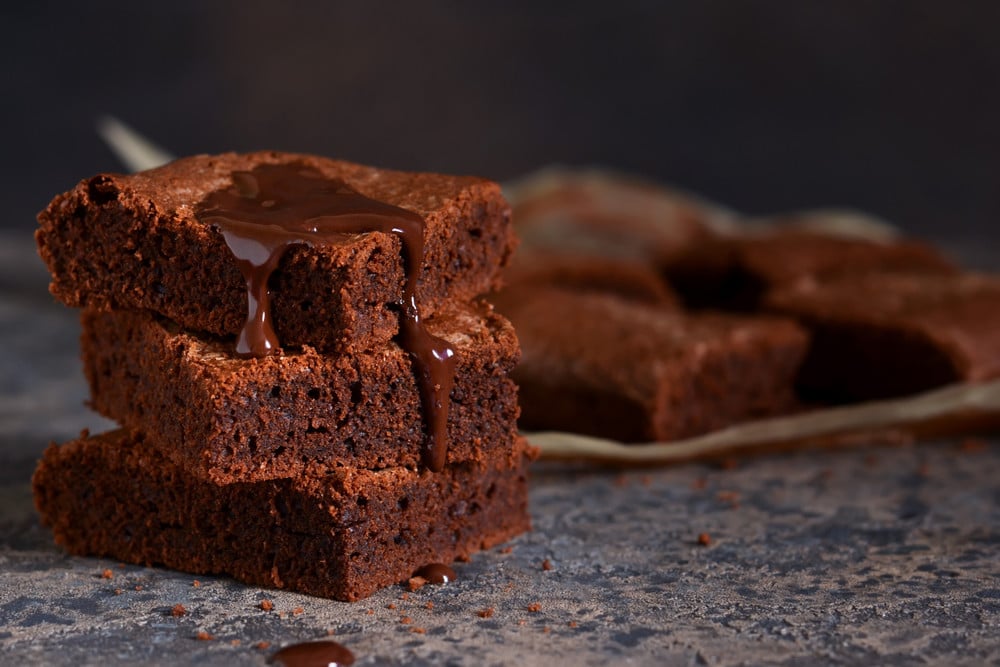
column 436, row 573
column 274, row 207
column 313, row 654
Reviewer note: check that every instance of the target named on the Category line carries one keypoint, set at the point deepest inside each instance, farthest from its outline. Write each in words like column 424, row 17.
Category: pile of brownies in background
column 645, row 314
column 305, row 468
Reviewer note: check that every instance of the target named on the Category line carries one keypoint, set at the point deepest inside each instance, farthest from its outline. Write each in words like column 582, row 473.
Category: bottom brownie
column 341, row 535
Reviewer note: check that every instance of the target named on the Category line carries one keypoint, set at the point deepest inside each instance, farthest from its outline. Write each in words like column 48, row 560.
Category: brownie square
column 134, row 242
column 735, row 273
column 342, row 534
column 596, row 364
column 877, row 336
column 227, row 419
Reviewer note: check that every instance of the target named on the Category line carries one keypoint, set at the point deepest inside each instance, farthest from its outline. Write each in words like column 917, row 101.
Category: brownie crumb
column 107, row 574
column 534, row 607
column 729, row 464
column 404, row 596
column 521, row 622
column 391, row 605
column 118, row 591
column 546, row 565
column 699, row 483
column 704, row 539
column 405, row 620
column 418, row 631
column 370, row 612
column 235, row 642
column 546, row 629
column 204, row 636
column 266, row 605
column 138, row 587
column 262, row 646
column 572, row 624
column 416, row 583
column 428, row 605
column 331, row 632
column 485, row 613
column 196, row 583
column 297, row 611
column 178, row 611
column 507, row 550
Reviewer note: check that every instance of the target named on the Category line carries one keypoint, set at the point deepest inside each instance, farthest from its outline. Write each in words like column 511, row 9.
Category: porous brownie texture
column 737, row 272
column 343, row 534
column 878, row 336
column 133, row 242
column 601, row 365
column 228, row 419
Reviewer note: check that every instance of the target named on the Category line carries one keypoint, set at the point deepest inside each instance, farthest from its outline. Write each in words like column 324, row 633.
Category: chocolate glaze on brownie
column 230, row 419
column 736, row 272
column 601, row 365
column 274, row 207
column 135, row 242
column 343, row 534
column 877, row 336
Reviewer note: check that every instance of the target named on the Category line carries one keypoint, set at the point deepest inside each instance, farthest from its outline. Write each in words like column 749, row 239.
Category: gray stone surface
column 887, row 555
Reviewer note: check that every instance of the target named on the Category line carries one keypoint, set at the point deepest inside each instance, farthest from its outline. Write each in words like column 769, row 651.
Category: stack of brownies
column 311, row 397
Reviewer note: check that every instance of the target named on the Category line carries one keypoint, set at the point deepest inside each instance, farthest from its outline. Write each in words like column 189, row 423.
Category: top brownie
column 135, row 242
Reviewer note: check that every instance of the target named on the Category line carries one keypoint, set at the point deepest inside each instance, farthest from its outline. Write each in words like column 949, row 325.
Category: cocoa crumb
column 621, row 481
column 121, row 566
column 418, row 631
column 118, row 591
column 463, row 558
column 405, row 620
column 416, row 583
column 428, row 605
column 546, row 629
column 262, row 646
column 204, row 636
column 572, row 624
column 235, row 642
column 391, row 605
column 485, row 613
column 704, row 539
column 507, row 550
column 521, row 622
column 266, row 605
column 404, row 596
column 297, row 611
column 107, row 574
column 535, row 606
column 138, row 587
column 370, row 612
column 178, row 611
column 196, row 583
column 546, row 565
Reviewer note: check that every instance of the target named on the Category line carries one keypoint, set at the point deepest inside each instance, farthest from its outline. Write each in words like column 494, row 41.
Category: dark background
column 887, row 106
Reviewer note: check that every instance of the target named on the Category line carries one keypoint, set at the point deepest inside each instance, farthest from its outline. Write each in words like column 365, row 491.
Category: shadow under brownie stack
column 310, row 395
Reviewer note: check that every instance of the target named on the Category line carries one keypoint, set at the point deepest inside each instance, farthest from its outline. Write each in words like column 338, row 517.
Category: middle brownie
column 228, row 419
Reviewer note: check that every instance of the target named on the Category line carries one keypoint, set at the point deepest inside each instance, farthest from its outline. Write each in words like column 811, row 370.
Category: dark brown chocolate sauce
column 436, row 573
column 313, row 654
column 276, row 206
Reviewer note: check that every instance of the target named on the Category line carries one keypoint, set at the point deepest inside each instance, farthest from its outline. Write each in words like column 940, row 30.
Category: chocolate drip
column 313, row 654
column 274, row 207
column 436, row 573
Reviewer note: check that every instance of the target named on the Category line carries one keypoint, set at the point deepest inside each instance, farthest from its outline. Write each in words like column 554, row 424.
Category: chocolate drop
column 436, row 573
column 313, row 654
column 276, row 206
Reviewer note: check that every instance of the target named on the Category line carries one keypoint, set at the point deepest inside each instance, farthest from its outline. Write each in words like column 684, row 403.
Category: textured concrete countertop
column 876, row 555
